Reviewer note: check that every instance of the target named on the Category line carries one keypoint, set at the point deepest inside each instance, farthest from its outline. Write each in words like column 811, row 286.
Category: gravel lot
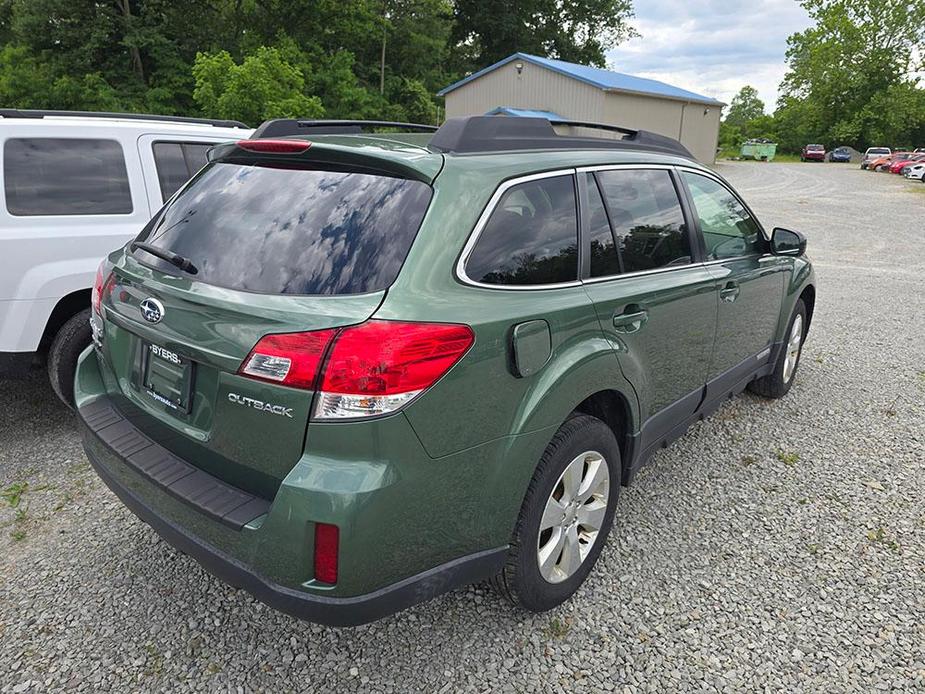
column 778, row 546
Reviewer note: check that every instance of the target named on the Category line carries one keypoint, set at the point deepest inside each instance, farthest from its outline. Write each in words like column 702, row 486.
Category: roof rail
column 284, row 127
column 41, row 113
column 473, row 134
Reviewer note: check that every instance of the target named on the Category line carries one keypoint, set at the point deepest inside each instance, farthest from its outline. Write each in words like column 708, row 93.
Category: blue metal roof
column 524, row 113
column 603, row 79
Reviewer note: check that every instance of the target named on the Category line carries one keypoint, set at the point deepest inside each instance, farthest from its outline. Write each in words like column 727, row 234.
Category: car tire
column 582, row 444
column 72, row 338
column 777, row 383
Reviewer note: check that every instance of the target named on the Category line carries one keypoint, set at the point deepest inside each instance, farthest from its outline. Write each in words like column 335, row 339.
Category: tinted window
column 176, row 162
column 291, row 231
column 604, row 258
column 646, row 217
column 728, row 230
column 59, row 176
column 531, row 237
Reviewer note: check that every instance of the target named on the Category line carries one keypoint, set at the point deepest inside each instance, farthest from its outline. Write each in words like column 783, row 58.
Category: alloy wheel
column 794, row 342
column 573, row 516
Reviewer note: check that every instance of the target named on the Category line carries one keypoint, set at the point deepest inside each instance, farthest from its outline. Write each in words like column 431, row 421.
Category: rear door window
column 728, row 229
column 65, row 176
column 646, row 217
column 531, row 237
column 290, row 231
column 176, row 162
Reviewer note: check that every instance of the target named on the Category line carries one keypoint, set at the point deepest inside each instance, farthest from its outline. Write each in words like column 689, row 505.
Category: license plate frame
column 167, row 377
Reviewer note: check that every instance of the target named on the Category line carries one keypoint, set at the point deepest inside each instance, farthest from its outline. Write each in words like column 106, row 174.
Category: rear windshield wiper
column 180, row 261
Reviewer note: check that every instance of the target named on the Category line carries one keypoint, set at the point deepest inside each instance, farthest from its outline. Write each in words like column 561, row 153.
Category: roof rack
column 284, row 127
column 40, row 113
column 474, row 134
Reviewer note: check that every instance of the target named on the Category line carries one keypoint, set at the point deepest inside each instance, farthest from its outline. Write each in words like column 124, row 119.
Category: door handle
column 730, row 292
column 631, row 321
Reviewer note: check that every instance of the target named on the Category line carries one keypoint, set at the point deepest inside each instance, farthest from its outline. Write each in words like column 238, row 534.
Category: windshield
column 290, row 231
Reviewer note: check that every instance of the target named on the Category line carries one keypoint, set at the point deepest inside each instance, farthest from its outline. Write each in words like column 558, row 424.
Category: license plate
column 168, row 377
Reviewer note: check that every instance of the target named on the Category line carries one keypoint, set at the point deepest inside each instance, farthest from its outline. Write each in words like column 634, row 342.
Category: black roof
column 483, row 134
column 472, row 134
column 287, row 127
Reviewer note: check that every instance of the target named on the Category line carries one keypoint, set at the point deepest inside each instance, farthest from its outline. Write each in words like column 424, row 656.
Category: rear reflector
column 275, row 146
column 326, row 541
column 290, row 359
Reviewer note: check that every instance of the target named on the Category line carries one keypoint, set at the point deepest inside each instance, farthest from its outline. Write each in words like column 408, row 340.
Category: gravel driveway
column 777, row 546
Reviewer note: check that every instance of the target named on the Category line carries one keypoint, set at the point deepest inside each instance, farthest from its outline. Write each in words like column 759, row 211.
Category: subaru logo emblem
column 152, row 310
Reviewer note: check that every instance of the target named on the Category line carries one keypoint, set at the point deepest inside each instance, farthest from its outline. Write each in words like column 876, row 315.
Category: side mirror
column 787, row 242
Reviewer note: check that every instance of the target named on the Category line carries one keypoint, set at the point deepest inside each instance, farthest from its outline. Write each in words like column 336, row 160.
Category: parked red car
column 896, row 166
column 884, row 163
column 812, row 153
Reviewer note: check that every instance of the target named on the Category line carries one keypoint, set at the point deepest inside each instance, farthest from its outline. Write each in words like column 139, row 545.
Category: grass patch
column 748, row 460
column 558, row 628
column 788, row 458
column 879, row 536
column 12, row 495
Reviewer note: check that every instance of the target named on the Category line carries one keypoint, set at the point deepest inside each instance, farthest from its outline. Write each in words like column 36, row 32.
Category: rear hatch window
column 277, row 230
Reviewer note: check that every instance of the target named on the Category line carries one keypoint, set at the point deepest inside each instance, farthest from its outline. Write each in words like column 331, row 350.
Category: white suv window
column 176, row 163
column 65, row 176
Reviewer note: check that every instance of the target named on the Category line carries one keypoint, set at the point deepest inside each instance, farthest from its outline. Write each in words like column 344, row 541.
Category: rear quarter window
column 65, row 176
column 290, row 231
column 531, row 237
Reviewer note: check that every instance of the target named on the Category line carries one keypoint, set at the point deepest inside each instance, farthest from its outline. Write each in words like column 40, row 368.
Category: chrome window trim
column 493, row 201
column 460, row 269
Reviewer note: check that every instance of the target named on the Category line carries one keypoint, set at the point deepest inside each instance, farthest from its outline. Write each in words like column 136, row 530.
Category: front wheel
column 777, row 383
column 566, row 516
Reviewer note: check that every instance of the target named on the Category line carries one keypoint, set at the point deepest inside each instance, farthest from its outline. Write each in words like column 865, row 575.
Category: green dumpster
column 760, row 150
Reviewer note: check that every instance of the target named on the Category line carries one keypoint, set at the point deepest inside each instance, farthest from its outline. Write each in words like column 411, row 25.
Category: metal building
column 523, row 84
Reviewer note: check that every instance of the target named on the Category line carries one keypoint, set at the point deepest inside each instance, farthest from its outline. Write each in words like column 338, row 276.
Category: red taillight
column 102, row 285
column 275, row 146
column 326, row 541
column 371, row 369
column 290, row 359
column 96, row 296
column 379, row 366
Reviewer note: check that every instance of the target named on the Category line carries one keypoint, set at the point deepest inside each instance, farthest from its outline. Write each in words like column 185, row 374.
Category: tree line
column 850, row 81
column 255, row 59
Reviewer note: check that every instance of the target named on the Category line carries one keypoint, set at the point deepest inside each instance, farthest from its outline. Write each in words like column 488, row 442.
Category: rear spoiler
column 334, row 157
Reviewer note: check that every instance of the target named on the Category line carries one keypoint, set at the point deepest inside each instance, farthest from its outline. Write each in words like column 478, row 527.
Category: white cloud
column 712, row 47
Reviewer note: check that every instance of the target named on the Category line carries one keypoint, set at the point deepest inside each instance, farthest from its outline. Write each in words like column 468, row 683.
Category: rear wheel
column 777, row 383
column 566, row 516
column 72, row 338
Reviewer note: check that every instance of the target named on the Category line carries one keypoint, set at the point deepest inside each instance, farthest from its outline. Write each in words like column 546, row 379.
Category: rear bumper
column 394, row 550
column 350, row 611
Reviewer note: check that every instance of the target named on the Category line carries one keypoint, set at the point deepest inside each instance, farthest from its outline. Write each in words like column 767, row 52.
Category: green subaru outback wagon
column 350, row 370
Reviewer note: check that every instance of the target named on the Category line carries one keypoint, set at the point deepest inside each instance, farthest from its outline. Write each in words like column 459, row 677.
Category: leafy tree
column 485, row 32
column 264, row 85
column 745, row 106
column 844, row 66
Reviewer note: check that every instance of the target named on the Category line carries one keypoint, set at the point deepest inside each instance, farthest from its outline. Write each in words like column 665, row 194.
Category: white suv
column 75, row 187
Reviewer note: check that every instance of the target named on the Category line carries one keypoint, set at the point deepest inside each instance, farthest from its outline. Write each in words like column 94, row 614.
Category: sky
column 712, row 47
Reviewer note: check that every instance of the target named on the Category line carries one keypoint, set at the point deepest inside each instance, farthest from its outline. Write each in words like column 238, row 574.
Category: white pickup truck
column 75, row 187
